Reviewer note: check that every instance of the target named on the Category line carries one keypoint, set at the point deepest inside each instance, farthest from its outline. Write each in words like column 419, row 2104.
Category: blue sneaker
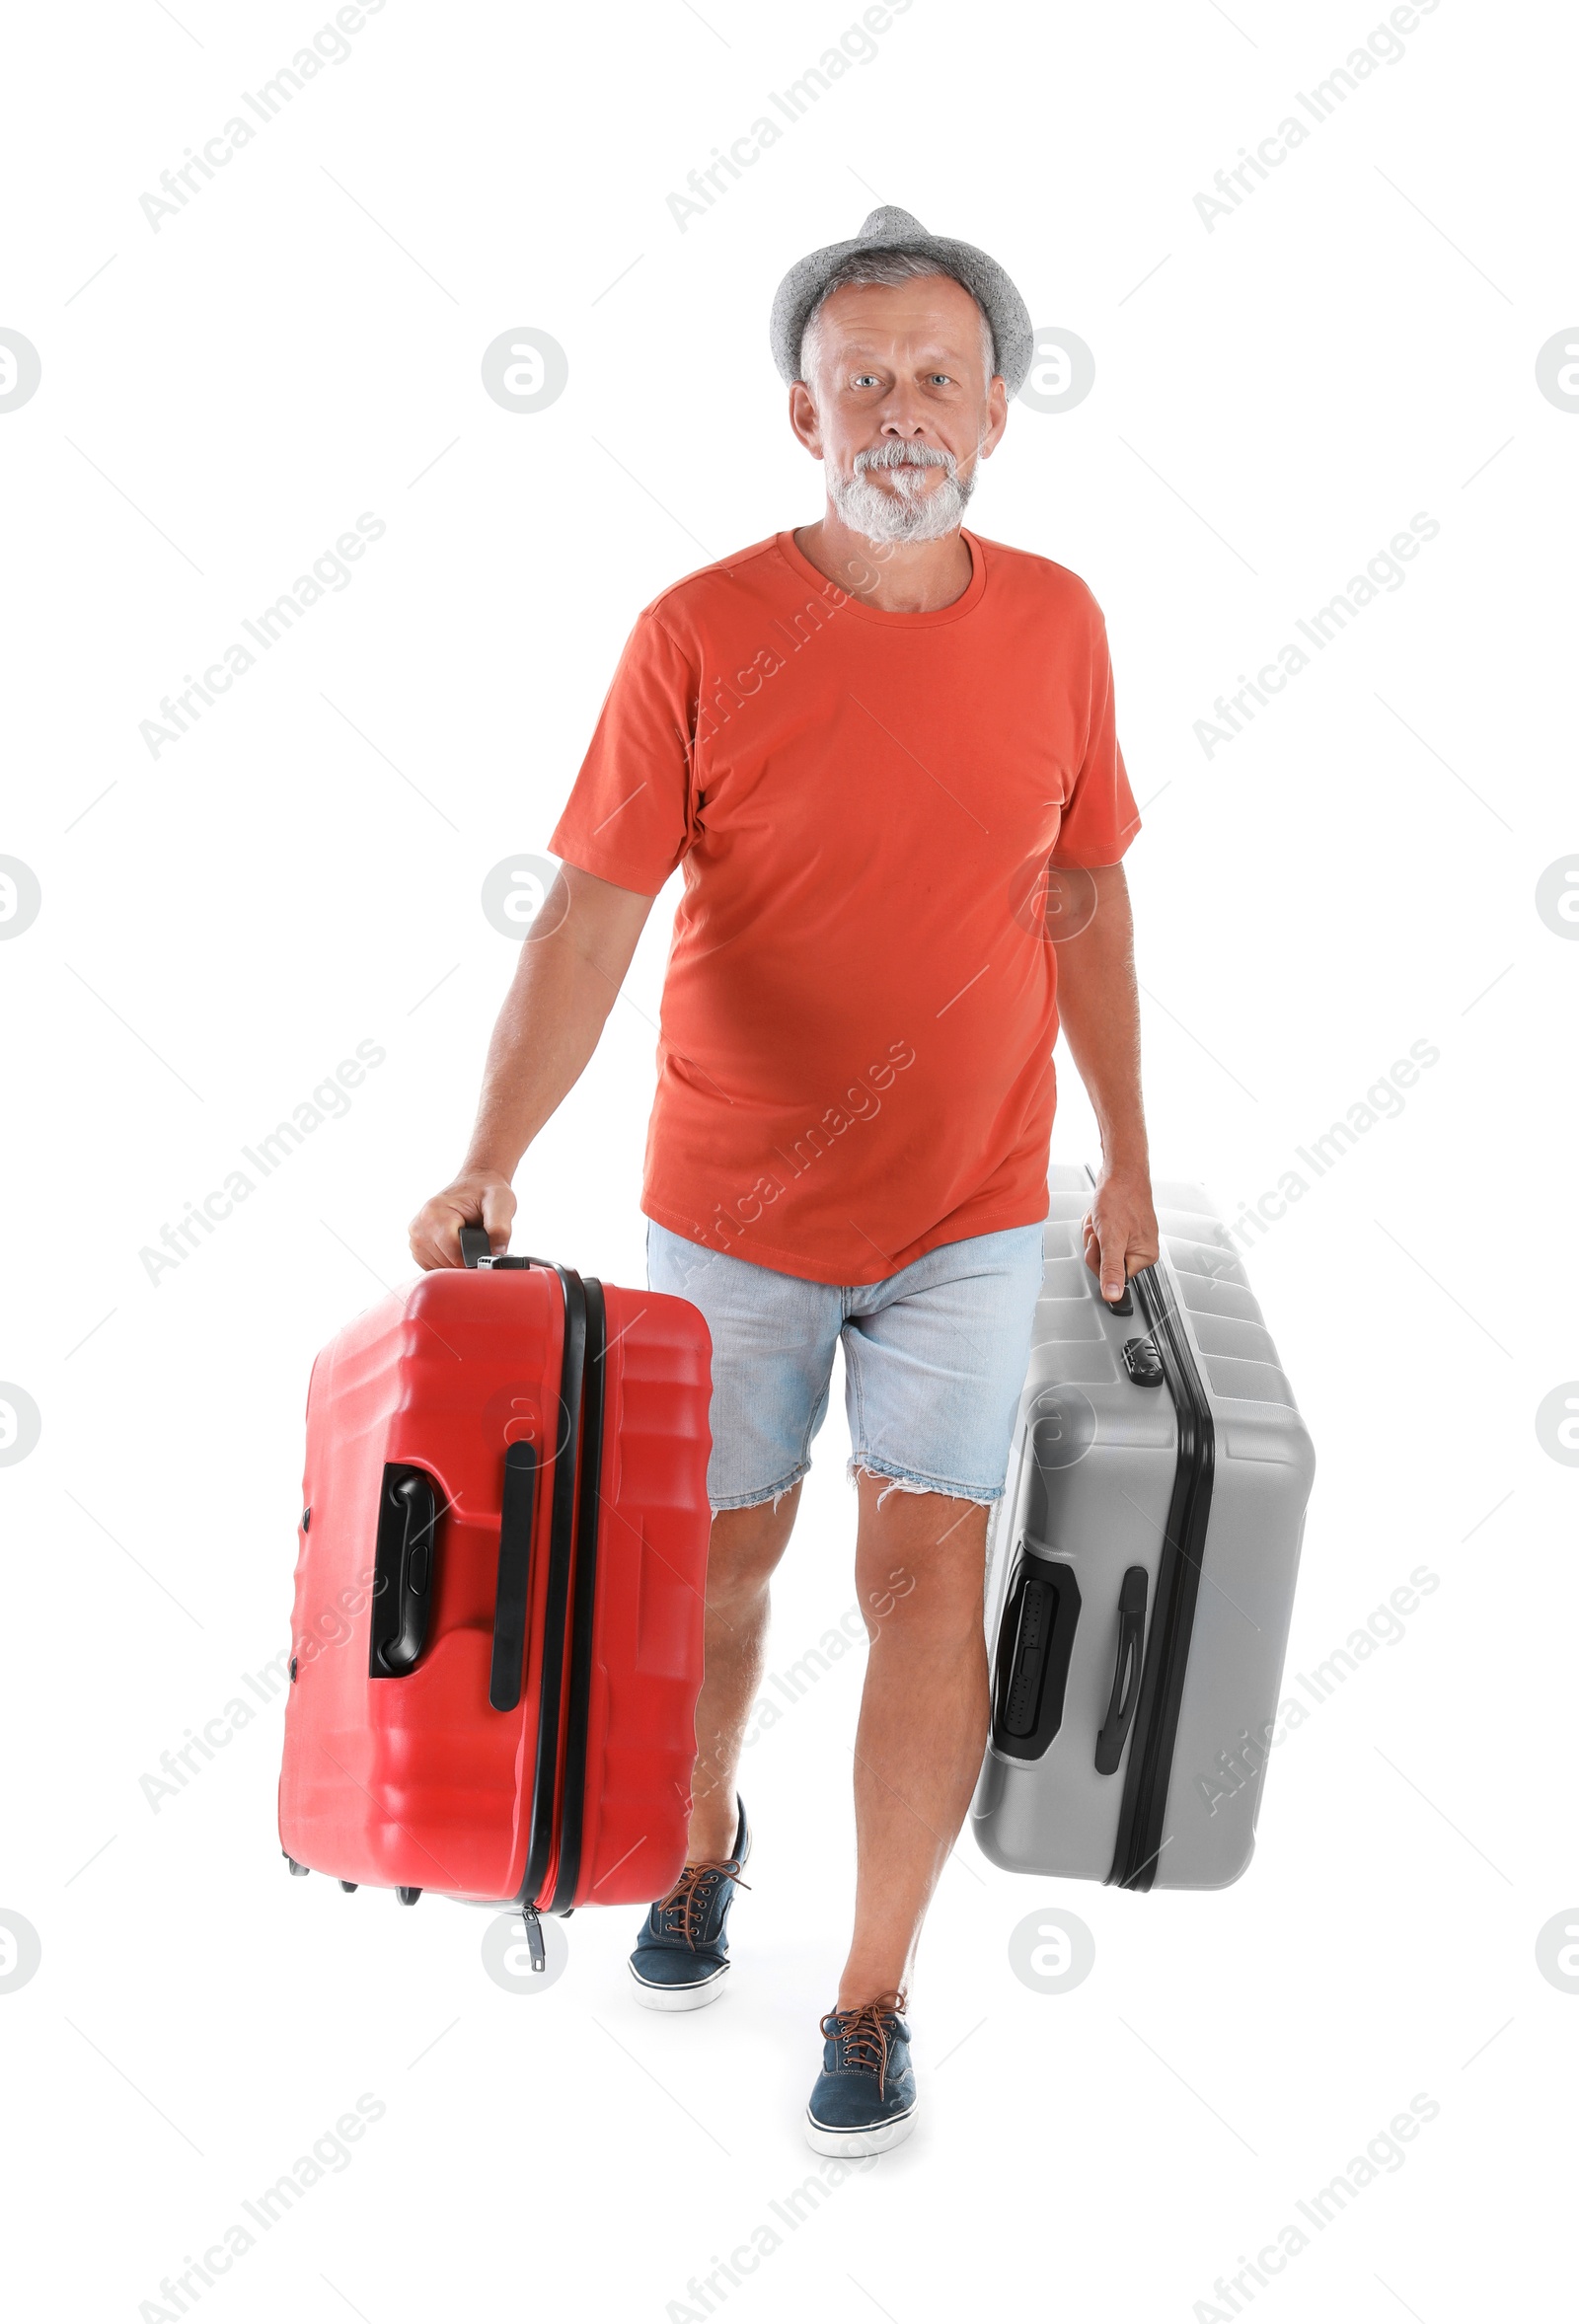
column 863, row 2101
column 682, row 1956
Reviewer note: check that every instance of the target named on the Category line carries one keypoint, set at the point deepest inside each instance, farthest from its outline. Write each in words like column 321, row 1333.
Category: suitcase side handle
column 1034, row 1644
column 1126, row 1670
column 514, row 1575
column 403, row 1571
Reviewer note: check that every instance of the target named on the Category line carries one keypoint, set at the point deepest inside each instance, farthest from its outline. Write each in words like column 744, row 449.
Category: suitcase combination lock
column 1142, row 1363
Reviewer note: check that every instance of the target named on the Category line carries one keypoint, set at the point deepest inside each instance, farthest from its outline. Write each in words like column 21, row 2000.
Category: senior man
column 881, row 752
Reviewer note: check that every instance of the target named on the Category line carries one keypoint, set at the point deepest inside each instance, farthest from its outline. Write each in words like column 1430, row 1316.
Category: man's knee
column 919, row 1557
column 745, row 1545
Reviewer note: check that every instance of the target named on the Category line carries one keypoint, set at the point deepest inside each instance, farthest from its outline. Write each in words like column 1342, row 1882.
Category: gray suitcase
column 1142, row 1565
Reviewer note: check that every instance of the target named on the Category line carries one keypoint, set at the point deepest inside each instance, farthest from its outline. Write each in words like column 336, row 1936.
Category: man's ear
column 803, row 418
column 997, row 416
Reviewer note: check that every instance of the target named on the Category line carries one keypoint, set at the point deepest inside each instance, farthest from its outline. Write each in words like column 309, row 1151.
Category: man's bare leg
column 744, row 1546
column 924, row 1716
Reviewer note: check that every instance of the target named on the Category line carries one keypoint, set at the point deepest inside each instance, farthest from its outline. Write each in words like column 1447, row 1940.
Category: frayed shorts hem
column 909, row 1480
column 761, row 1498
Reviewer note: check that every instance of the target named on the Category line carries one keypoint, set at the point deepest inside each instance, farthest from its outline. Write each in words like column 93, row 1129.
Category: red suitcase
column 496, row 1640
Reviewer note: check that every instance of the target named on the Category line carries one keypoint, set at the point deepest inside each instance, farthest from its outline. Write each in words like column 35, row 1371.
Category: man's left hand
column 1120, row 1229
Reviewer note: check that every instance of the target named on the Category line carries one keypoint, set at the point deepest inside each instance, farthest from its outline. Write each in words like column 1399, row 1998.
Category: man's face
column 899, row 403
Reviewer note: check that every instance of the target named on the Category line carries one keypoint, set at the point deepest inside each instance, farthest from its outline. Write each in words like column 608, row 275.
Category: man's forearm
column 1098, row 1006
column 565, row 984
column 556, row 1009
column 546, row 1032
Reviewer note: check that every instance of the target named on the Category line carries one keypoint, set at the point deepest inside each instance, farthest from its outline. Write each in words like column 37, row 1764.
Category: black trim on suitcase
column 1140, row 1837
column 506, row 1675
column 584, row 1610
column 561, row 1545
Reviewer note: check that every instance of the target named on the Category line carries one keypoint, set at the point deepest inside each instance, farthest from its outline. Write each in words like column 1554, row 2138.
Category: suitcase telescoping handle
column 1126, row 1670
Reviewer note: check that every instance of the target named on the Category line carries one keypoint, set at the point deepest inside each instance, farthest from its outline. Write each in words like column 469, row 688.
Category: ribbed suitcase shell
column 414, row 1780
column 1097, row 1502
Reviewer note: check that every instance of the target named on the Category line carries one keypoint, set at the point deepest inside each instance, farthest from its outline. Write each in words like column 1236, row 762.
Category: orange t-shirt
column 855, row 1056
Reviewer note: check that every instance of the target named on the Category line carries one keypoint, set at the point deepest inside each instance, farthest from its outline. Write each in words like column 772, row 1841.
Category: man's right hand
column 477, row 1198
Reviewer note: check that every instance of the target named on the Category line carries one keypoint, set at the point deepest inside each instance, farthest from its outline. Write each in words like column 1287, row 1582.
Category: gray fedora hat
column 1014, row 338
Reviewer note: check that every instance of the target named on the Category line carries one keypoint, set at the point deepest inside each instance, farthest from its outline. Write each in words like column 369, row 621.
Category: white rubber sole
column 881, row 2139
column 679, row 1997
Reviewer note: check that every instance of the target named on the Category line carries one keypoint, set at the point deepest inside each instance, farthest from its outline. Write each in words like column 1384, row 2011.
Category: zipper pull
column 534, row 1940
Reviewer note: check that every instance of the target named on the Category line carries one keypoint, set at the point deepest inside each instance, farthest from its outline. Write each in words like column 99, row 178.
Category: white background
column 220, row 926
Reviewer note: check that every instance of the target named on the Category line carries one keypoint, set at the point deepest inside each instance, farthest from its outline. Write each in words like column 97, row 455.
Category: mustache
column 895, row 454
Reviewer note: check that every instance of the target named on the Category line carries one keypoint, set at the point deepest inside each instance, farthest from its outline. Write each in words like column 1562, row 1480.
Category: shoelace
column 862, row 2037
column 692, row 1893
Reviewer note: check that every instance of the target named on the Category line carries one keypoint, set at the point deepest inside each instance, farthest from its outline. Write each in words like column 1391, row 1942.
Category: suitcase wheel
column 350, row 1886
column 407, row 1896
column 297, row 1871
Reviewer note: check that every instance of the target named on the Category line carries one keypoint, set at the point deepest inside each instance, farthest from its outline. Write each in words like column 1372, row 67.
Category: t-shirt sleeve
column 1100, row 818
column 630, row 817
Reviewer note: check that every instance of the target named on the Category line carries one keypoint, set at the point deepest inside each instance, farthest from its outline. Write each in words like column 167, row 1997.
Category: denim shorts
column 934, row 1360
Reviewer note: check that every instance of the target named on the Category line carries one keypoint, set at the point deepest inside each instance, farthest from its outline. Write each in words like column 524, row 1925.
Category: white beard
column 911, row 511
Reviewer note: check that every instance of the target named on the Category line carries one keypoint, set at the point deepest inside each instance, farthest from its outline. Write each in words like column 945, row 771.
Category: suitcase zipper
column 558, row 1785
column 584, row 1610
column 1140, row 1839
column 542, row 1820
